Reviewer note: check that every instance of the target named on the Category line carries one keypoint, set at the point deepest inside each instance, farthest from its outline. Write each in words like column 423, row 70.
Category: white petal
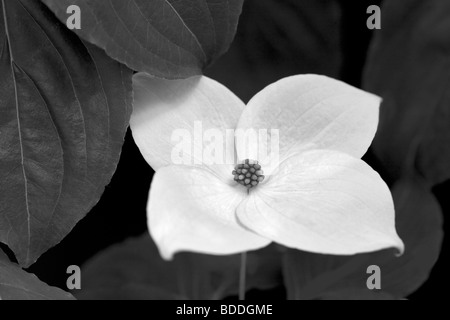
column 168, row 113
column 313, row 112
column 189, row 209
column 325, row 202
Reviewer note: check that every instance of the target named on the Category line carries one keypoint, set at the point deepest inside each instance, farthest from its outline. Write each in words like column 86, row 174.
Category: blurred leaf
column 165, row 38
column 409, row 66
column 134, row 270
column 215, row 277
column 16, row 284
column 419, row 224
column 276, row 39
column 64, row 110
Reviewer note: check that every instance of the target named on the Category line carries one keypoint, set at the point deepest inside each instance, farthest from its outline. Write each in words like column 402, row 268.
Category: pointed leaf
column 408, row 67
column 134, row 270
column 276, row 39
column 165, row 38
column 64, row 109
column 16, row 284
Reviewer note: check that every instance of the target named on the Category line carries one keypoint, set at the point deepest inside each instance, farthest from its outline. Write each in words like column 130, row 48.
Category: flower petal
column 190, row 209
column 312, row 112
column 325, row 202
column 173, row 117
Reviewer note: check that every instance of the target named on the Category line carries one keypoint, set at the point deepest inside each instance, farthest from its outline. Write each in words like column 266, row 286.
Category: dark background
column 274, row 39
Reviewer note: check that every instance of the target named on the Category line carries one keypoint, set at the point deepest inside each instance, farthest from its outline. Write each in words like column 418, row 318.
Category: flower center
column 249, row 173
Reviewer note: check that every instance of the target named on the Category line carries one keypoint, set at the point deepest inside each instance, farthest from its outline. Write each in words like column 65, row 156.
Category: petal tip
column 400, row 247
column 166, row 254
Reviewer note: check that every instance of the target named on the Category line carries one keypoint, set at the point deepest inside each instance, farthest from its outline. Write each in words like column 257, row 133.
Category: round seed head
column 248, row 173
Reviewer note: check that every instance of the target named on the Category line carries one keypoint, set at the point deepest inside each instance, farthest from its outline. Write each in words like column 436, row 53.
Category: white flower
column 322, row 198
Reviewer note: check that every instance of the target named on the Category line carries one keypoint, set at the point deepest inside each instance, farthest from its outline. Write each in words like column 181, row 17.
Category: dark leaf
column 276, row 39
column 165, row 38
column 64, row 110
column 16, row 284
column 409, row 66
column 134, row 270
column 419, row 224
column 215, row 277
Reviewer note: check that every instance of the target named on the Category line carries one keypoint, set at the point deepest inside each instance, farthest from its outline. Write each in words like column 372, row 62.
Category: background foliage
column 78, row 97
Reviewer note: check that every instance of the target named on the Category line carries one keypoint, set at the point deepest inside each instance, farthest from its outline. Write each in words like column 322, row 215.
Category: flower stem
column 242, row 272
column 242, row 276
